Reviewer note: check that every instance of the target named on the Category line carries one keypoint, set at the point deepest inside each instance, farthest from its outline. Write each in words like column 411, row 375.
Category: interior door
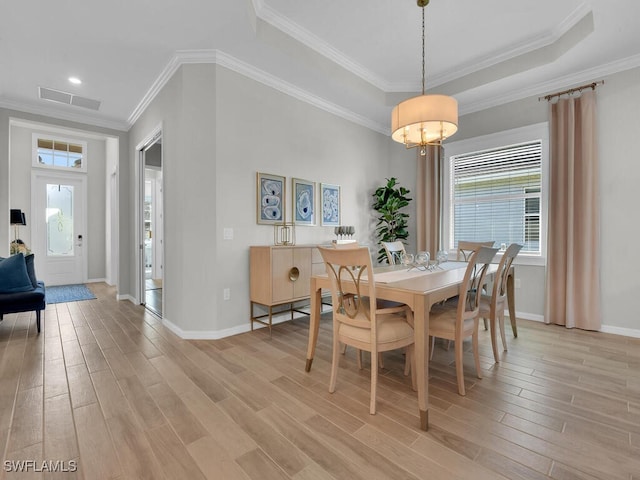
column 58, row 235
column 150, row 228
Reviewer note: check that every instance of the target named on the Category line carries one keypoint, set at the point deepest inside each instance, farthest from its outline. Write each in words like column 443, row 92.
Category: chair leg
column 38, row 320
column 380, row 360
column 459, row 367
column 407, row 362
column 476, row 353
column 374, row 382
column 359, row 359
column 433, row 345
column 334, row 361
column 494, row 340
column 485, row 324
column 501, row 322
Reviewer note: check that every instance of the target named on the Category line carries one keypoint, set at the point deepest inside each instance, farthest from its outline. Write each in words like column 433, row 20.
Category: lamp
column 425, row 119
column 17, row 218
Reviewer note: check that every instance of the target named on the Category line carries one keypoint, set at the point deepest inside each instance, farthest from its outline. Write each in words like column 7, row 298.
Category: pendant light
column 425, row 119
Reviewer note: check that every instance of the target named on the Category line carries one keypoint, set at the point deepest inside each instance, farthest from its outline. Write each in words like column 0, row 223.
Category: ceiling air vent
column 68, row 98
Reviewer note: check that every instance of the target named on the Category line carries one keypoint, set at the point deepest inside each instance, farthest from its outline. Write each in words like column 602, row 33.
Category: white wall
column 618, row 127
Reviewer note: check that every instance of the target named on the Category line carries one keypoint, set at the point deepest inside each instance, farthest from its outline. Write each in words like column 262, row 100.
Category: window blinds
column 496, row 195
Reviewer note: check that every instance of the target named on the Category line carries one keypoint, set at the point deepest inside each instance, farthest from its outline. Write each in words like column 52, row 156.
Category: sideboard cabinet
column 281, row 276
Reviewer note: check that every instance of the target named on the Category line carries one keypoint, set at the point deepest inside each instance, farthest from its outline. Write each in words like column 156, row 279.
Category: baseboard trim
column 527, row 316
column 203, row 334
column 625, row 332
column 125, row 297
column 219, row 334
column 229, row 332
column 97, row 280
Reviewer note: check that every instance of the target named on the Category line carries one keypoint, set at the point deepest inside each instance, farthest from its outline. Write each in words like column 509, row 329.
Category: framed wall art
column 330, row 204
column 304, row 201
column 270, row 198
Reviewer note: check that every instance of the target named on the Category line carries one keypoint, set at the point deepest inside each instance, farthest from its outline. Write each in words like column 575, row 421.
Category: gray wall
column 618, row 127
column 15, row 180
column 20, row 177
column 219, row 129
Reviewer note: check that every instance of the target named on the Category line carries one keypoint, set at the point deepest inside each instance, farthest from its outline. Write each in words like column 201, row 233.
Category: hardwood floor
column 107, row 388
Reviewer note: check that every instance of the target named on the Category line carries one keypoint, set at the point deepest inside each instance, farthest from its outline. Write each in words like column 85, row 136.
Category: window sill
column 532, row 260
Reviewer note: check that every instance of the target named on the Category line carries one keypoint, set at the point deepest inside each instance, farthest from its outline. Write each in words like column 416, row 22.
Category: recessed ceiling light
column 75, row 80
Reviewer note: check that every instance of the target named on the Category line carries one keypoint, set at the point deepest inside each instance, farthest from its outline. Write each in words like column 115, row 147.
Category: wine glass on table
column 407, row 260
column 422, row 259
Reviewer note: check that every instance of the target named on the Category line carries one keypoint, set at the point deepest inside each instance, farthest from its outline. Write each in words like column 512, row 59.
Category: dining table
column 417, row 288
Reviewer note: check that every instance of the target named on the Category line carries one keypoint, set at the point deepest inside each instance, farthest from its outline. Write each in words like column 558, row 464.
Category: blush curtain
column 429, row 184
column 573, row 248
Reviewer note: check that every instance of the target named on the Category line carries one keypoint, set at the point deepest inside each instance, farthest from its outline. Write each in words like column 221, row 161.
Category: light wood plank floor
column 106, row 386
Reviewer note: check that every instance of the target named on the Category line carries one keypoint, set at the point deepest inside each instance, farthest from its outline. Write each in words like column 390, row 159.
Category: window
column 532, row 218
column 497, row 193
column 59, row 153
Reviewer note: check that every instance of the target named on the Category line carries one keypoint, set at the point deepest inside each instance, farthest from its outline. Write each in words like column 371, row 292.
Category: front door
column 58, row 227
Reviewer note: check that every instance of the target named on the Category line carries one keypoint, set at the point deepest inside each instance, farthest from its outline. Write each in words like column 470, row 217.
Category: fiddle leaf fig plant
column 390, row 199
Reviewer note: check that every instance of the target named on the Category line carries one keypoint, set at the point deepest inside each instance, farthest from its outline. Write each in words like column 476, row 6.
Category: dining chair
column 466, row 248
column 356, row 319
column 395, row 251
column 492, row 306
column 458, row 318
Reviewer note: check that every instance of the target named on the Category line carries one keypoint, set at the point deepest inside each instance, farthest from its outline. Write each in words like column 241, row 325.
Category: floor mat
column 68, row 293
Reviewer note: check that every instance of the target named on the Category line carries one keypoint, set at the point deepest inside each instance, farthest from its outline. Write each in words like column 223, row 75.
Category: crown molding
column 282, row 23
column 529, row 45
column 272, row 17
column 225, row 60
column 542, row 88
column 179, row 59
column 33, row 109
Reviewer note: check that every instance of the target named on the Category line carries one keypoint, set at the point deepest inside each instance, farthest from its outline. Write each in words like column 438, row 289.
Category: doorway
column 58, row 223
column 151, row 225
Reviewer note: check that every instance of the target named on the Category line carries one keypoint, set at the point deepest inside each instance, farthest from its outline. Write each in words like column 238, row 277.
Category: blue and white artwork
column 330, row 198
column 303, row 202
column 270, row 198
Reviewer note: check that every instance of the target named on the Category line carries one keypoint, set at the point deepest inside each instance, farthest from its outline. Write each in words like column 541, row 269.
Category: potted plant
column 390, row 199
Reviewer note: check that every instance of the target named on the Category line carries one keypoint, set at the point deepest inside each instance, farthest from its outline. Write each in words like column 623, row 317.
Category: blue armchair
column 20, row 291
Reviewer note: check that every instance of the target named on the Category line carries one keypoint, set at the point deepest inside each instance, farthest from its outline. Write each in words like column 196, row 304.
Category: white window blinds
column 496, row 195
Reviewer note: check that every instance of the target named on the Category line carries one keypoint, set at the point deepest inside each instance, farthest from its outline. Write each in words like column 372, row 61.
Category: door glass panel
column 59, row 220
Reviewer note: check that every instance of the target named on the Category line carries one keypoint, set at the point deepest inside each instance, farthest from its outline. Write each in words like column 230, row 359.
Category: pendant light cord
column 422, row 50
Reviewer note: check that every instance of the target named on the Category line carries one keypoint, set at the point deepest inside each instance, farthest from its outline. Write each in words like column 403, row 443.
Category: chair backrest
column 469, row 300
column 500, row 283
column 465, row 249
column 394, row 251
column 353, row 302
column 353, row 244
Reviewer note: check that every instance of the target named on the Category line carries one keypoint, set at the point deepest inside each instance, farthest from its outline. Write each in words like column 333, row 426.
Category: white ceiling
column 351, row 57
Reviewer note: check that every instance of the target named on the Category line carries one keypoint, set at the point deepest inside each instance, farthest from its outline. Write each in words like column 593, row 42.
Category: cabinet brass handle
column 294, row 274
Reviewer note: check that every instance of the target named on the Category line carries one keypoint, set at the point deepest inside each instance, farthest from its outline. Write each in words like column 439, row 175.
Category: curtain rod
column 592, row 85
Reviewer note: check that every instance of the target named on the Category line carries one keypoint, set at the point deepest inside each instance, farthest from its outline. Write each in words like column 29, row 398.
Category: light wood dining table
column 419, row 290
